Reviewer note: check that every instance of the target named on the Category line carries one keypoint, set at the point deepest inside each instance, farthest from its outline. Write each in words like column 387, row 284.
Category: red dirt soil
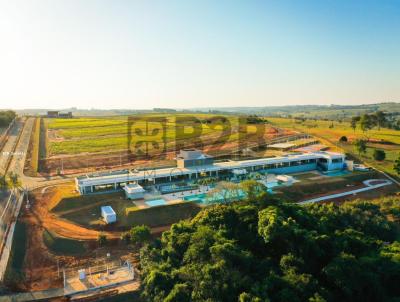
column 40, row 264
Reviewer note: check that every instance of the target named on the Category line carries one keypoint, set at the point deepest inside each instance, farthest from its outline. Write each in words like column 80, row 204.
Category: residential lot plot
column 87, row 144
column 329, row 133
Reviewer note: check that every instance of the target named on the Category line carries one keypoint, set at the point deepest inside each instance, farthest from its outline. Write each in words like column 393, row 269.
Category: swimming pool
column 203, row 198
column 155, row 202
column 336, row 173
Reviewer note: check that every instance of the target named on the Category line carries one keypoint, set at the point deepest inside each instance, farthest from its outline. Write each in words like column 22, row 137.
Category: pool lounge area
column 156, row 202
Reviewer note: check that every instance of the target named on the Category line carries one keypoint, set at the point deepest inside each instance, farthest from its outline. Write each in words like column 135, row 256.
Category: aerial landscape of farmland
column 200, row 151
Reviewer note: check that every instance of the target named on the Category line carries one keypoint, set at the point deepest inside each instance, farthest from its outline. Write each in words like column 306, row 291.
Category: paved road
column 19, row 156
column 368, row 186
column 8, row 149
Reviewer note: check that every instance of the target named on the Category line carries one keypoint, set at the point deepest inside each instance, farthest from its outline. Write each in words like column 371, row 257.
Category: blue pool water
column 337, row 173
column 155, row 202
column 204, row 199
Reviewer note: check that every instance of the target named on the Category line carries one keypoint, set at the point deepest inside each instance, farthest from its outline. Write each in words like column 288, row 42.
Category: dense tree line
column 6, row 117
column 377, row 120
column 267, row 250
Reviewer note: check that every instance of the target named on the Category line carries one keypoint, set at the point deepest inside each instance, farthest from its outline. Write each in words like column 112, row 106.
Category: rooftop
column 108, row 210
column 136, row 175
column 134, row 188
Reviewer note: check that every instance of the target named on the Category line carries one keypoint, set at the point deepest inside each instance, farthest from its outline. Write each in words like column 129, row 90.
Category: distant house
column 58, row 114
column 108, row 214
column 52, row 114
column 65, row 115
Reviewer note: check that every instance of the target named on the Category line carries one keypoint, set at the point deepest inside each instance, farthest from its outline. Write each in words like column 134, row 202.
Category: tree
column 361, row 146
column 379, row 154
column 13, row 180
column 396, row 166
column 224, row 192
column 3, row 182
column 126, row 237
column 380, row 119
column 366, row 123
column 282, row 252
column 140, row 234
column 343, row 139
column 252, row 189
column 354, row 121
column 102, row 239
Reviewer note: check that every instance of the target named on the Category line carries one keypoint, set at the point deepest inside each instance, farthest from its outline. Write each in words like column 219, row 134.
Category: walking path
column 368, row 186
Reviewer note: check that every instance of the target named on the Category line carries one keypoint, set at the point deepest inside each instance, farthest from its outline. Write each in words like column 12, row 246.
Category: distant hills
column 307, row 111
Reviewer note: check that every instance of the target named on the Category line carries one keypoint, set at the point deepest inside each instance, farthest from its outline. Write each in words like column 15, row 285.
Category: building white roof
column 134, row 188
column 281, row 145
column 131, row 176
column 108, row 210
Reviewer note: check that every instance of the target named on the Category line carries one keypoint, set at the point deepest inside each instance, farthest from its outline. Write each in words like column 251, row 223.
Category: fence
column 8, row 215
column 91, row 277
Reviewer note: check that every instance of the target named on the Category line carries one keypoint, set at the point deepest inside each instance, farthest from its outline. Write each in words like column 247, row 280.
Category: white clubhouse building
column 194, row 164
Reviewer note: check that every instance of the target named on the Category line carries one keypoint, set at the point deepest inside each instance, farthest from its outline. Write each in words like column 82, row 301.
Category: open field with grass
column 88, row 144
column 74, row 136
column 330, row 132
column 63, row 246
column 311, row 185
column 85, row 211
column 14, row 272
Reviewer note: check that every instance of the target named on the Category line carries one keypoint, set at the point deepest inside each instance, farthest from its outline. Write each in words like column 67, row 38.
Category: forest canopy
column 274, row 251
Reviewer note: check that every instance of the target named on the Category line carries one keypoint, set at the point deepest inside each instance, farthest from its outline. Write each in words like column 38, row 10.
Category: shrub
column 102, row 239
column 140, row 234
column 379, row 154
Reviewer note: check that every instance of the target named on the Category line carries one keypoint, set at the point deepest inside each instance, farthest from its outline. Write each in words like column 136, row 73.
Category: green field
column 85, row 211
column 14, row 272
column 63, row 246
column 330, row 132
column 74, row 136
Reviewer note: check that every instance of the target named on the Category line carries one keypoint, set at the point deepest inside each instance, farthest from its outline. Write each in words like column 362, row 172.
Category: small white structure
column 82, row 274
column 239, row 171
column 134, row 191
column 108, row 214
column 350, row 165
column 287, row 179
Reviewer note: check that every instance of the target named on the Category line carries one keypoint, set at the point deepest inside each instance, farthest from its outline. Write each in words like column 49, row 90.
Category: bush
column 140, row 234
column 102, row 239
column 379, row 155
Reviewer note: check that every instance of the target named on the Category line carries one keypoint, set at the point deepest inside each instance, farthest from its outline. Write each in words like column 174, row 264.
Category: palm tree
column 3, row 182
column 14, row 180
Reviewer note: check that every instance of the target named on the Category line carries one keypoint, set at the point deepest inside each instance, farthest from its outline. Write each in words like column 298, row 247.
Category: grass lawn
column 72, row 203
column 63, row 246
column 74, row 136
column 14, row 272
column 308, row 187
column 152, row 217
column 163, row 215
column 85, row 210
column 304, row 176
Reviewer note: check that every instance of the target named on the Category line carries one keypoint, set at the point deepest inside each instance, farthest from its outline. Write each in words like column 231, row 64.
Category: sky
column 204, row 53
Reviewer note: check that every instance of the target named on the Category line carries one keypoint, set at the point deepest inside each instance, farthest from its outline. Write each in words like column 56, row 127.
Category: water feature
column 156, row 202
